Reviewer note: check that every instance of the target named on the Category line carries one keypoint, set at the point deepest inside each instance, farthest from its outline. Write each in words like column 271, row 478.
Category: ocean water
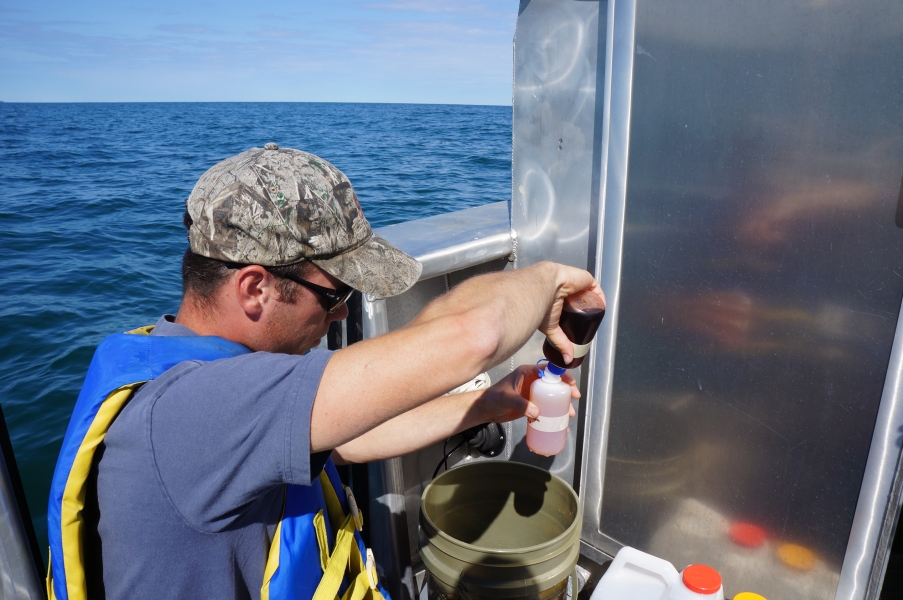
column 91, row 202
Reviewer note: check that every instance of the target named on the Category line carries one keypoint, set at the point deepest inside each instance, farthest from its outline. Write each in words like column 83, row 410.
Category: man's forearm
column 415, row 429
column 509, row 305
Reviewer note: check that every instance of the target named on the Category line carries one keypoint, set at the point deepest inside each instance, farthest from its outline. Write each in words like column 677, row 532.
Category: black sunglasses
column 333, row 299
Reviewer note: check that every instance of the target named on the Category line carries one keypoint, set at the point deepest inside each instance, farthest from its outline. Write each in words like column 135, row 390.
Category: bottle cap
column 701, row 579
column 747, row 534
column 556, row 370
column 585, row 300
column 749, row 596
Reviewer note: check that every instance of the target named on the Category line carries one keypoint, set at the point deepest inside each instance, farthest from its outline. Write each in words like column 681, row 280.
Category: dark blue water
column 91, row 202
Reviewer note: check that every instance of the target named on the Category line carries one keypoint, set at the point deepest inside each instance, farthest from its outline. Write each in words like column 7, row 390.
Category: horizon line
column 240, row 102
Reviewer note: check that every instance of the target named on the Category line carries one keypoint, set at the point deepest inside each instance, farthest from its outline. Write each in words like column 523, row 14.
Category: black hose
column 445, row 458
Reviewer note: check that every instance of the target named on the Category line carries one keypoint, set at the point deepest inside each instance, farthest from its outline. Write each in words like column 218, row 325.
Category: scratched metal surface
column 761, row 280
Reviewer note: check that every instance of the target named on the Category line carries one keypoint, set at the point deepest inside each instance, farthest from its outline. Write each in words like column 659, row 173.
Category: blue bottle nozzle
column 556, row 370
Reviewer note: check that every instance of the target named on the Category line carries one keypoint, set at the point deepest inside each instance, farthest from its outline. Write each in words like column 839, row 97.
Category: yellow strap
column 272, row 562
column 346, row 554
column 142, row 330
column 337, row 518
column 71, row 520
column 333, row 506
column 360, row 590
column 356, row 564
column 322, row 539
column 50, row 594
column 335, row 568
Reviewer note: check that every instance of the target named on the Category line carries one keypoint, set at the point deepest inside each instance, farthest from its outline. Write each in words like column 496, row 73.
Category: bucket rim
column 568, row 532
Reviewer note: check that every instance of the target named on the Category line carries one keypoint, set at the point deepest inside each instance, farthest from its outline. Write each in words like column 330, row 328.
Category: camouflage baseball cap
column 276, row 206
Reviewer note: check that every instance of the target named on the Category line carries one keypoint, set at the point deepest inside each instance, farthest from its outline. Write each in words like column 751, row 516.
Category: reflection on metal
column 694, row 525
column 751, row 262
column 376, row 318
column 556, row 134
column 613, row 156
column 455, row 241
column 18, row 578
column 879, row 498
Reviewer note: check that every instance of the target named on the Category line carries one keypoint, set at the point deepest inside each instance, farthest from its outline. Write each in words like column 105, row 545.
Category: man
column 190, row 476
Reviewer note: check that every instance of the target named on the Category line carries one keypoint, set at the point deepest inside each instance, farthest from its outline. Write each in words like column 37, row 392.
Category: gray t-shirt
column 190, row 476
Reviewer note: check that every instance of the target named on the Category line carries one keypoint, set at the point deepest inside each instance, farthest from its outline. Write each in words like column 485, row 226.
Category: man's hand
column 508, row 399
column 569, row 281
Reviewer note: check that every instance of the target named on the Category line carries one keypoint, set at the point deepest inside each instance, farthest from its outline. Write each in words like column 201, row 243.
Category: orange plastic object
column 747, row 534
column 701, row 579
column 796, row 556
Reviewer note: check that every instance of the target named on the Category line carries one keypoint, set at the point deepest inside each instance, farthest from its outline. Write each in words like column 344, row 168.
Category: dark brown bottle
column 580, row 318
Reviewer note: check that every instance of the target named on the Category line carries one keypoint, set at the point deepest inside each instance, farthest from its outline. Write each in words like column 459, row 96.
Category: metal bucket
column 497, row 529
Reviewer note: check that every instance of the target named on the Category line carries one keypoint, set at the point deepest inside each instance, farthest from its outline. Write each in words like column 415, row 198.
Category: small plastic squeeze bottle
column 547, row 434
column 580, row 318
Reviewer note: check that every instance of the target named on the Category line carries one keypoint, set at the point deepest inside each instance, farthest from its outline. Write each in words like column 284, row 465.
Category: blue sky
column 266, row 50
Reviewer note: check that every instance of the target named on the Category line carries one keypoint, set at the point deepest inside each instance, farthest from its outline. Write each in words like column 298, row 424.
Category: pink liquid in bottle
column 548, row 434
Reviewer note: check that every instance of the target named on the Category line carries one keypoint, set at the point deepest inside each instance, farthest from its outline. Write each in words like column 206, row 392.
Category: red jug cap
column 701, row 579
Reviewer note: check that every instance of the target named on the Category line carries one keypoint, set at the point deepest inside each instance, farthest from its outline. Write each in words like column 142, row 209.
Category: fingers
column 523, row 377
column 516, row 403
column 598, row 291
column 509, row 399
column 572, row 280
column 560, row 341
column 568, row 379
column 511, row 407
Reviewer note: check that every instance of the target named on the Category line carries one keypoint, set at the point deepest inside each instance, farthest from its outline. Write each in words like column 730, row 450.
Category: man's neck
column 201, row 319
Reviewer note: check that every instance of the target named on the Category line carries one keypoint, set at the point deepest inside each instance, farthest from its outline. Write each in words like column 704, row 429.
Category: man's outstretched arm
column 445, row 416
column 477, row 325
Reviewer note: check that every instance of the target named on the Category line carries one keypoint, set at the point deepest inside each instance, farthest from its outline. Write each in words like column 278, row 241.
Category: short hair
column 202, row 277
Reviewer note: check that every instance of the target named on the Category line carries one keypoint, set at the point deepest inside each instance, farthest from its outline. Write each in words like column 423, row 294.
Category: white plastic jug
column 635, row 575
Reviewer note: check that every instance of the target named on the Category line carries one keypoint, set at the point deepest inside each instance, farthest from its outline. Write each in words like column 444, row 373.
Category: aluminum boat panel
column 752, row 263
column 556, row 133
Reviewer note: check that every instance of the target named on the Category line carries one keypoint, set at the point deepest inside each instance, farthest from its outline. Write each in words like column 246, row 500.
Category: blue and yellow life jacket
column 315, row 518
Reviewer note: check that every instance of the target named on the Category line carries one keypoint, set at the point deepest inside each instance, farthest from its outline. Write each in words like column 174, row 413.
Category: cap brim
column 377, row 268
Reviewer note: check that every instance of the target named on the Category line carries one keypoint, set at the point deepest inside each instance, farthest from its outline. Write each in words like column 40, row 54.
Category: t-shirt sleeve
column 224, row 433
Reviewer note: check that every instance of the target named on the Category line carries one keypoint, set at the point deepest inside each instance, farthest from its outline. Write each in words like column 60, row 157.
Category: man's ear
column 254, row 288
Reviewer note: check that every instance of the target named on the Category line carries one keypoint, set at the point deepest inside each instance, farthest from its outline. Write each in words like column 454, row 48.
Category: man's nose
column 339, row 315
